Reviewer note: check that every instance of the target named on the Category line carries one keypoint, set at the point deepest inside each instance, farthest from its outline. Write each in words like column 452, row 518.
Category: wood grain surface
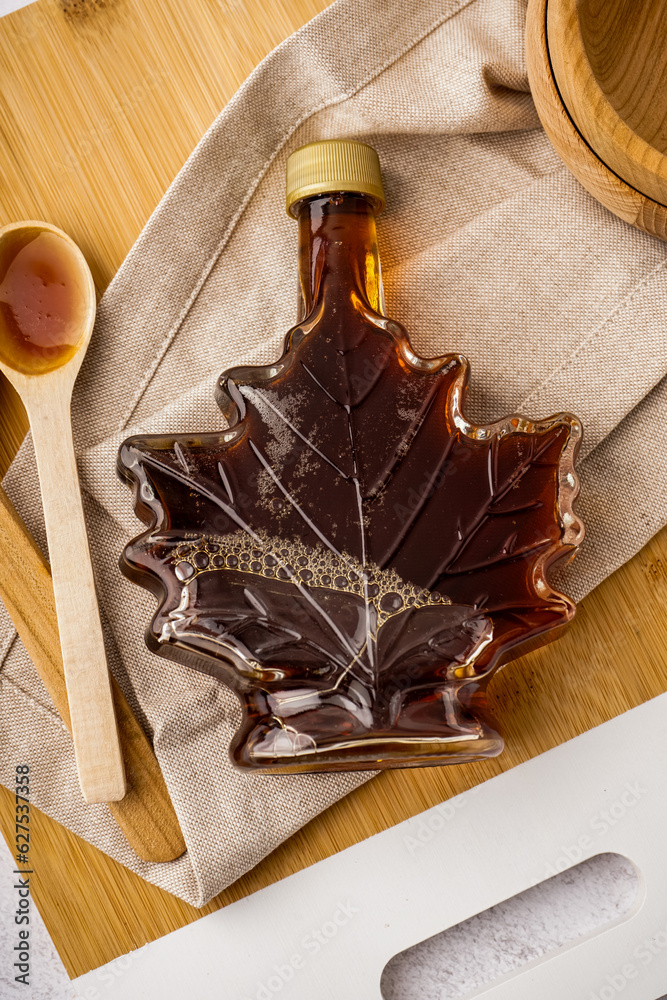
column 101, row 103
column 577, row 132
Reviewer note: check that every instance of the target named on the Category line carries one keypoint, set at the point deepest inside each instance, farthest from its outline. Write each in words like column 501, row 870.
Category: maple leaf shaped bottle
column 350, row 554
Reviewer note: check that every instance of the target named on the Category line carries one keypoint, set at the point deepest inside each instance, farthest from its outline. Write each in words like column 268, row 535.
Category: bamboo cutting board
column 101, row 102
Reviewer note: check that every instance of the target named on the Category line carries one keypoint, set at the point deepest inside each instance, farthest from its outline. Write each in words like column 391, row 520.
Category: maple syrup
column 350, row 554
column 43, row 303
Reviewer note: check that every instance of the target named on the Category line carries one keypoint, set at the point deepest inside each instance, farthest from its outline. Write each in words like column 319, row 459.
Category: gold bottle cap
column 333, row 165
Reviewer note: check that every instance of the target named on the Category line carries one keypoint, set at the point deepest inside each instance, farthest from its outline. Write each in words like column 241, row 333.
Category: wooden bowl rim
column 568, row 10
column 609, row 190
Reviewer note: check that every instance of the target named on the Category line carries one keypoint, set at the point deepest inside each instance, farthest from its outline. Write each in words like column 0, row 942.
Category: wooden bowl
column 598, row 73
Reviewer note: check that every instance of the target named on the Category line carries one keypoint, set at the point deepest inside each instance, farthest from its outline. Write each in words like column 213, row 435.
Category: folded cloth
column 489, row 247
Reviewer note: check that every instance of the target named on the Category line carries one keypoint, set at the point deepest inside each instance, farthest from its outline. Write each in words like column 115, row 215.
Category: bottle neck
column 338, row 254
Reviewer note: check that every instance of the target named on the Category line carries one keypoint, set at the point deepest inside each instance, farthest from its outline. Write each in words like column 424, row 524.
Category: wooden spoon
column 47, row 309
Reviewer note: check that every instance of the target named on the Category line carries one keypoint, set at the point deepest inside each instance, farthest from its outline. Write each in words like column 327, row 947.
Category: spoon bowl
column 47, row 299
column 47, row 311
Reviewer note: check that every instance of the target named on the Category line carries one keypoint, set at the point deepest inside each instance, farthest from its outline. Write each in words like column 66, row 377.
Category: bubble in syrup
column 184, row 571
column 200, row 560
column 391, row 602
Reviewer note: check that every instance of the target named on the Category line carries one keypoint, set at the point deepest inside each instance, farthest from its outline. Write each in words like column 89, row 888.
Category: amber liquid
column 42, row 301
column 352, row 556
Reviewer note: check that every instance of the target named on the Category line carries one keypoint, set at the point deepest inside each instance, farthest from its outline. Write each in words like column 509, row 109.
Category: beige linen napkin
column 489, row 247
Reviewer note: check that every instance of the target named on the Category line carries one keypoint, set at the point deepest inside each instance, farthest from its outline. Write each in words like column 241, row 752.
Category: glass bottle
column 351, row 555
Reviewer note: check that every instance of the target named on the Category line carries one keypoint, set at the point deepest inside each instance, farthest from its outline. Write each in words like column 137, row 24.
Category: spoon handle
column 94, row 728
